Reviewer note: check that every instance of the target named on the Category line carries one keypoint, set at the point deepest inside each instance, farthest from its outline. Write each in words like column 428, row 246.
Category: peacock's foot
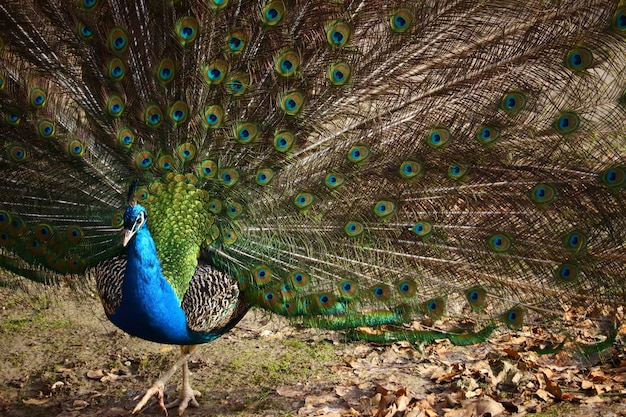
column 186, row 398
column 187, row 395
column 158, row 389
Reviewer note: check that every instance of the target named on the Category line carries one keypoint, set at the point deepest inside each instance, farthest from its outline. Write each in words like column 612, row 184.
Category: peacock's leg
column 187, row 394
column 158, row 388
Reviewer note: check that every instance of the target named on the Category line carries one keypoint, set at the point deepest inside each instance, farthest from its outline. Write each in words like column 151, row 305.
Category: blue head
column 135, row 218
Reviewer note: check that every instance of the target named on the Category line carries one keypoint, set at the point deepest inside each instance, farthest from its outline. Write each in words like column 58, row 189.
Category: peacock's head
column 135, row 217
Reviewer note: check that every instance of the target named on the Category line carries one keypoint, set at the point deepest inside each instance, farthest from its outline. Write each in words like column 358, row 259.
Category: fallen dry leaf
column 36, row 401
column 553, row 387
column 97, row 374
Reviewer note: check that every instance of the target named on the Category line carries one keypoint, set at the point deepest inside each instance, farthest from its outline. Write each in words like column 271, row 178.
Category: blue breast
column 149, row 308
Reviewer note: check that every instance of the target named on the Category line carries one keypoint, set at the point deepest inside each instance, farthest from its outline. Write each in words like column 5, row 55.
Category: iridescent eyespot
column 186, row 30
column 144, row 160
column 476, row 297
column 325, row 301
column 338, row 33
column 348, row 289
column 353, row 229
column 115, row 106
column 261, row 275
column 400, row 20
column 567, row 123
column 614, row 178
column 17, row 226
column 246, row 132
column 578, row 59
column 207, row 169
column 299, row 280
column 218, row 4
column 264, row 176
column 75, row 148
column 381, row 292
column 213, row 116
column 186, row 151
column 117, row 220
column 229, row 236
column 286, row 62
column 90, row 4
column 5, row 219
column 116, row 69
column 18, row 153
column 567, row 272
column 272, row 14
column 292, row 102
column 13, row 118
column 118, row 40
column 575, row 241
column 422, row 228
column 513, row 103
column 165, row 163
column 283, row 141
column 487, row 135
column 37, row 97
column 339, row 73
column 44, row 232
column 178, row 113
column 407, row 288
column 237, row 83
column 76, row 265
column 153, row 116
column 618, row 24
column 542, row 194
column 514, row 317
column 457, row 171
column 384, row 208
column 229, row 176
column 303, row 200
column 358, row 154
column 142, row 194
column 165, row 71
column 236, row 42
column 234, row 210
column 334, row 180
column 499, row 243
column 84, row 32
column 435, row 308
column 36, row 246
column 215, row 206
column 215, row 72
column 74, row 234
column 125, row 137
column 410, row 169
column 438, row 138
column 46, row 129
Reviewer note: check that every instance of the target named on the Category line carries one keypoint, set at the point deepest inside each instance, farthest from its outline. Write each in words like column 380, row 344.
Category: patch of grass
column 57, row 324
column 16, row 359
column 559, row 410
column 15, row 325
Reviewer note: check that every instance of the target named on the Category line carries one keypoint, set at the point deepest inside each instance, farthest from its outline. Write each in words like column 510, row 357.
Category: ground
column 59, row 356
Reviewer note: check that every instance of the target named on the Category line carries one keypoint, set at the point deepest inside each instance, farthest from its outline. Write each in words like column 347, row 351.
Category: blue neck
column 150, row 309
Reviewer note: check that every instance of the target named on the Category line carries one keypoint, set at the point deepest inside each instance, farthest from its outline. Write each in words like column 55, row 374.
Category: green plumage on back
column 178, row 234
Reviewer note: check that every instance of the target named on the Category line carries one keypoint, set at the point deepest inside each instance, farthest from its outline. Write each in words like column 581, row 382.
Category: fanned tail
column 353, row 163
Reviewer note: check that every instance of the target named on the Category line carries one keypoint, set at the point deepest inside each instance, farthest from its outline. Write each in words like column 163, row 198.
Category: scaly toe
column 185, row 399
column 156, row 389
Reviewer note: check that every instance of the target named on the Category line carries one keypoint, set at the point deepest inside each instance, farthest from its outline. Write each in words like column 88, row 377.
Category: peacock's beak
column 128, row 235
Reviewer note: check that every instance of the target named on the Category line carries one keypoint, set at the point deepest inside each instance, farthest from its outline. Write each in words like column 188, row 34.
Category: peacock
column 364, row 166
